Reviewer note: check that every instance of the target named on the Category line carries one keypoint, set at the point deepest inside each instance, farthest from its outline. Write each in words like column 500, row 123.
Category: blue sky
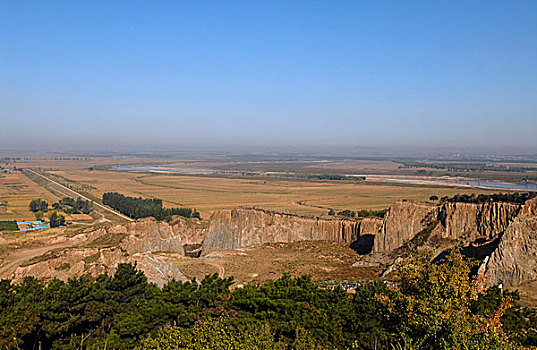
column 419, row 73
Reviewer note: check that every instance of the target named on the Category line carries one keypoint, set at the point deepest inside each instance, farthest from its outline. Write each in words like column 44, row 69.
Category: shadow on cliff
column 363, row 245
column 478, row 250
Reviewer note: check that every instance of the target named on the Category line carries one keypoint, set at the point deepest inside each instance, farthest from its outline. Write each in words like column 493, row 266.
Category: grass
column 10, row 225
column 110, row 239
column 53, row 254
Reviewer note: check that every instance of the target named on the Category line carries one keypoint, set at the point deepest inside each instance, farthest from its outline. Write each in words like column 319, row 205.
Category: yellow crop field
column 16, row 192
column 208, row 193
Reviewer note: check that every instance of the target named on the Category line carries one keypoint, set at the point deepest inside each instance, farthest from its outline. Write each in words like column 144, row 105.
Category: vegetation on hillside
column 510, row 197
column 360, row 213
column 429, row 306
column 138, row 207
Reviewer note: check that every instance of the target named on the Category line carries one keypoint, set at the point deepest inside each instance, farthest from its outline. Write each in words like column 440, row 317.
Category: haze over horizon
column 101, row 75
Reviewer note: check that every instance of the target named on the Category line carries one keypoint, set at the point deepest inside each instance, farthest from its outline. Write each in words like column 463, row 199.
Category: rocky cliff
column 243, row 227
column 76, row 262
column 514, row 262
column 401, row 223
column 469, row 221
column 101, row 250
column 462, row 223
column 505, row 232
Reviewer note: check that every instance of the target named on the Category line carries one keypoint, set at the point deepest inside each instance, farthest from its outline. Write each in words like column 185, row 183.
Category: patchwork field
column 16, row 192
column 208, row 193
column 92, row 176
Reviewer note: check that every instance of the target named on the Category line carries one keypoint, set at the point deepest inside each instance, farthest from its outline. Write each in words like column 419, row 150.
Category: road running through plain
column 81, row 196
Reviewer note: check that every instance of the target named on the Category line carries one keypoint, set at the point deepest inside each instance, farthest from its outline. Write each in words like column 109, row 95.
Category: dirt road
column 81, row 196
column 221, row 268
column 12, row 261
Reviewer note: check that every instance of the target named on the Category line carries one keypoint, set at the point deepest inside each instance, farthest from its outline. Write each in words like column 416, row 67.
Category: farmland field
column 8, row 225
column 16, row 192
column 93, row 176
column 207, row 193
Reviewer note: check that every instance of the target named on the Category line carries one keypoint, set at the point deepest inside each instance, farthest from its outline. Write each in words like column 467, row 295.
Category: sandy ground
column 16, row 257
column 322, row 260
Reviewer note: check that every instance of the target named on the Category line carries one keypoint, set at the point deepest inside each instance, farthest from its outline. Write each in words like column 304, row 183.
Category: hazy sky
column 410, row 73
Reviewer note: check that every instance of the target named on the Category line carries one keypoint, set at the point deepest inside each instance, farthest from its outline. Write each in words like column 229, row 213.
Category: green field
column 10, row 225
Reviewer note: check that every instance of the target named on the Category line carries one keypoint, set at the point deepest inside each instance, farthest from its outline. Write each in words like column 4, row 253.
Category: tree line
column 38, row 205
column 138, row 207
column 430, row 306
column 510, row 197
column 334, row 177
column 70, row 206
column 67, row 204
column 364, row 213
column 464, row 167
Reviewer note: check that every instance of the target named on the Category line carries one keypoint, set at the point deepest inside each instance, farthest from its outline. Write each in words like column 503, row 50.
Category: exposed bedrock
column 401, row 223
column 514, row 262
column 505, row 232
column 75, row 262
column 243, row 227
column 460, row 222
column 469, row 221
column 101, row 250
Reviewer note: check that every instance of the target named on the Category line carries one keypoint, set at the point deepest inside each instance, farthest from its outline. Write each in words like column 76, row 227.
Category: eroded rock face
column 402, row 222
column 101, row 250
column 149, row 236
column 369, row 226
column 92, row 262
column 468, row 221
column 462, row 223
column 243, row 227
column 511, row 228
column 514, row 262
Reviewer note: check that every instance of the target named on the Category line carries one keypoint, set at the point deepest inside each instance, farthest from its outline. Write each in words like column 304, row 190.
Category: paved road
column 81, row 196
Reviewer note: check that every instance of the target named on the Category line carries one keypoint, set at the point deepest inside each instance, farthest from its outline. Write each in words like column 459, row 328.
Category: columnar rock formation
column 478, row 226
column 474, row 221
column 506, row 232
column 514, row 262
column 402, row 222
column 369, row 226
column 242, row 227
column 461, row 222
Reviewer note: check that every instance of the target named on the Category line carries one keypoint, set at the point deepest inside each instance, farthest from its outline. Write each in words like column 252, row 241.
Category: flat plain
column 16, row 192
column 93, row 176
column 209, row 193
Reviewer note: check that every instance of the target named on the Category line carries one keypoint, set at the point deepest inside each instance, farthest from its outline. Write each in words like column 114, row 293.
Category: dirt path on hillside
column 17, row 257
column 221, row 268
